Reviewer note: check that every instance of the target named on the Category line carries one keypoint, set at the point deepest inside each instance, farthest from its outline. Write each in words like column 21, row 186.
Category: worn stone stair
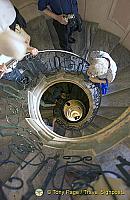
column 40, row 34
column 103, row 149
column 93, row 38
column 121, row 82
column 111, row 112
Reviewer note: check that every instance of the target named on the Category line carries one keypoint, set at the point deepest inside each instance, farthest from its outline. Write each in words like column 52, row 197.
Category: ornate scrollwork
column 10, row 180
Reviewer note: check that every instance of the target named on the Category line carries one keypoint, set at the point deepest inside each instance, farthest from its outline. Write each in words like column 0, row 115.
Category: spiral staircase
column 24, row 122
column 116, row 102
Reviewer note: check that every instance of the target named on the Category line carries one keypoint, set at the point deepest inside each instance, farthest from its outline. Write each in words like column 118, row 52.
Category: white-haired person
column 102, row 69
column 13, row 46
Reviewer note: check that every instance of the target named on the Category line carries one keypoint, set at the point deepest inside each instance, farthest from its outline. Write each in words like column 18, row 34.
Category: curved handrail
column 58, row 60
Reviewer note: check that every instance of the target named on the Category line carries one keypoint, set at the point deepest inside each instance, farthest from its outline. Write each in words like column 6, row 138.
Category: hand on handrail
column 3, row 69
column 32, row 50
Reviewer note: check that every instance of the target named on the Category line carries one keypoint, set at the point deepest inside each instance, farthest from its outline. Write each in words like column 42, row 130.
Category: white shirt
column 7, row 14
column 11, row 43
column 111, row 72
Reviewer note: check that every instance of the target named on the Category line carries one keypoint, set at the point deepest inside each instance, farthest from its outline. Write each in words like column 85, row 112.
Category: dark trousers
column 64, row 33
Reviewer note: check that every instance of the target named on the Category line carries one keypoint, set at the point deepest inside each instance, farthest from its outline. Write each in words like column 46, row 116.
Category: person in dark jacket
column 64, row 13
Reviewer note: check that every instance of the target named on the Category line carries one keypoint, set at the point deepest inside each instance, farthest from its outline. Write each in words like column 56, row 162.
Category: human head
column 12, row 45
column 98, row 67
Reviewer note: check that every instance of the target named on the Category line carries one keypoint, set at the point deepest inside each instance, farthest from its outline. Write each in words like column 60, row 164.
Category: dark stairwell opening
column 65, row 104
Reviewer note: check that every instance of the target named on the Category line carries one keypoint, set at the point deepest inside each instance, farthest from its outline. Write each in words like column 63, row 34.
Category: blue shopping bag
column 104, row 88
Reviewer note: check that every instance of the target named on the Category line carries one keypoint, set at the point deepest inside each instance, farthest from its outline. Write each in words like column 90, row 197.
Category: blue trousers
column 13, row 75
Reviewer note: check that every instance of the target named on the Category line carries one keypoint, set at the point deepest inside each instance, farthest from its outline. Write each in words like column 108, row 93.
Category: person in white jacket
column 12, row 45
column 102, row 67
column 13, row 50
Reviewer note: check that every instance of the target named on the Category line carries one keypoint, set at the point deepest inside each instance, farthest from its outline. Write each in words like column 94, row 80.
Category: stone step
column 108, row 159
column 121, row 56
column 104, row 41
column 121, row 82
column 91, row 29
column 53, row 34
column 88, row 32
column 85, row 38
column 7, row 154
column 101, row 121
column 10, row 88
column 37, row 171
column 111, row 112
column 117, row 99
column 79, row 45
column 90, row 129
column 81, row 132
column 82, row 153
column 39, row 32
column 73, row 133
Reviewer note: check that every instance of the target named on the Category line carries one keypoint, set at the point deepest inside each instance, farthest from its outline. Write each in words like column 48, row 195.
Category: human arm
column 60, row 18
column 97, row 80
column 94, row 78
column 26, row 38
column 32, row 50
column 3, row 69
column 111, row 74
column 43, row 6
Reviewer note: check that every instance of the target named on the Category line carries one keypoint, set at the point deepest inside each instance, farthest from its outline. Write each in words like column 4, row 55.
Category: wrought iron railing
column 47, row 63
column 67, row 175
column 24, row 142
column 51, row 61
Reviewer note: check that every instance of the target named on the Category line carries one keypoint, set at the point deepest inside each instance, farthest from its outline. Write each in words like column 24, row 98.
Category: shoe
column 71, row 40
column 68, row 49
